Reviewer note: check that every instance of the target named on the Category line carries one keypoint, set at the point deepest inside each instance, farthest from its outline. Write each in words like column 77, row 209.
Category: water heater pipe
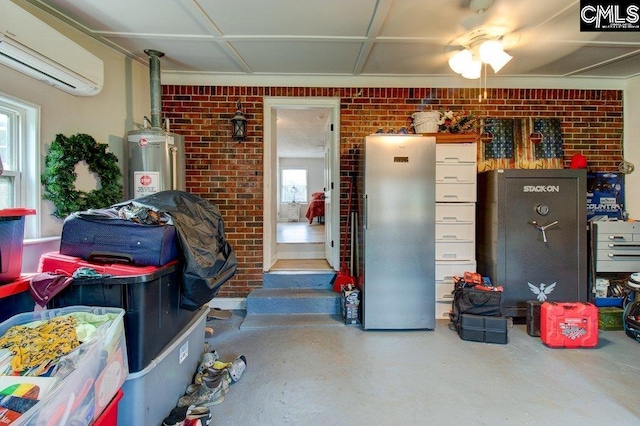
column 156, row 86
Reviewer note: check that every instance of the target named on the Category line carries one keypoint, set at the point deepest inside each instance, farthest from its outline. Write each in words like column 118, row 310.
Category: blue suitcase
column 101, row 237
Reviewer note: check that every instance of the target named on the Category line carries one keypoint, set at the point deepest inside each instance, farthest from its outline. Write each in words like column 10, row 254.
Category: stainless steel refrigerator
column 398, row 232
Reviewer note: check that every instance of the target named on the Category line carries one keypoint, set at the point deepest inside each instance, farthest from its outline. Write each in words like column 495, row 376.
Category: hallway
column 346, row 376
column 300, row 232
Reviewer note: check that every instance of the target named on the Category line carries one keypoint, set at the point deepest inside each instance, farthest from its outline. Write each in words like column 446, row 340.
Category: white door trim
column 270, row 215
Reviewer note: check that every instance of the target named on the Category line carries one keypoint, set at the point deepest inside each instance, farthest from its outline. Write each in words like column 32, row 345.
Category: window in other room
column 294, row 185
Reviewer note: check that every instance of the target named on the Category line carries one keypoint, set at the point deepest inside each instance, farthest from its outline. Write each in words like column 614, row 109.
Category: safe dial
column 542, row 209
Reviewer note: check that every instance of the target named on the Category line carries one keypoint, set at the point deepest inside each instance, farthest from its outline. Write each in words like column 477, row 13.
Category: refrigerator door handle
column 365, row 213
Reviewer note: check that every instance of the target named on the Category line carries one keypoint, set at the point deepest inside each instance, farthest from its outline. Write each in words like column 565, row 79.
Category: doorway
column 301, row 134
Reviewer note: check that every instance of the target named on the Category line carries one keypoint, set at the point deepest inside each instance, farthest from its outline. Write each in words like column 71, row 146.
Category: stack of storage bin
column 164, row 341
column 75, row 395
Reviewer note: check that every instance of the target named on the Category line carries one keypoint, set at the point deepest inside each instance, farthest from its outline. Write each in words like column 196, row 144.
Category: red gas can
column 569, row 325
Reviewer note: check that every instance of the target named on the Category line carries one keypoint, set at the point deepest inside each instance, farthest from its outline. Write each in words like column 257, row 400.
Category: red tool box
column 569, row 324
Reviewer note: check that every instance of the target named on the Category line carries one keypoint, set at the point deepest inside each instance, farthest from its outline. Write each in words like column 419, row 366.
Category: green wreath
column 59, row 175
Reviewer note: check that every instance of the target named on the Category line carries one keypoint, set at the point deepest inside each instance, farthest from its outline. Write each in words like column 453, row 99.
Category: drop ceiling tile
column 624, row 68
column 583, row 58
column 183, row 55
column 335, row 18
column 133, row 16
column 298, row 57
column 406, row 59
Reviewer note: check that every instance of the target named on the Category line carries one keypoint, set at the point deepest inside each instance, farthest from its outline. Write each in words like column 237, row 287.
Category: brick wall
column 230, row 173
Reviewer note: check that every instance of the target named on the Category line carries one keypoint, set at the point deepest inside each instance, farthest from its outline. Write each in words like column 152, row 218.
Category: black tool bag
column 631, row 320
column 470, row 300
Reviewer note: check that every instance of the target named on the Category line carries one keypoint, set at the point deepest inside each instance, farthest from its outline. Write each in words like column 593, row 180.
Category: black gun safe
column 531, row 235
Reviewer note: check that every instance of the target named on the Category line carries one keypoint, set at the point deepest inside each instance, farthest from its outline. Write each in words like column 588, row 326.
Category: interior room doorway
column 301, row 168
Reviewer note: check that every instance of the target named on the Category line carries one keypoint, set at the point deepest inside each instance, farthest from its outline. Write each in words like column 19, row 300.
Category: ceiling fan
column 482, row 43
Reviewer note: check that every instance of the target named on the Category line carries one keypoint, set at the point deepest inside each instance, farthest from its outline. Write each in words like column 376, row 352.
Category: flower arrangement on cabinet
column 456, row 122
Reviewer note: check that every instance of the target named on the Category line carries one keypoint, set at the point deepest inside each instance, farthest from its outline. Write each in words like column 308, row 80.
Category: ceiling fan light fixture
column 500, row 61
column 472, row 70
column 489, row 49
column 492, row 53
column 459, row 61
column 482, row 50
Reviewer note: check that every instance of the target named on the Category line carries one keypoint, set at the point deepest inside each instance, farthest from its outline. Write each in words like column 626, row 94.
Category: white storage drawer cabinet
column 456, row 176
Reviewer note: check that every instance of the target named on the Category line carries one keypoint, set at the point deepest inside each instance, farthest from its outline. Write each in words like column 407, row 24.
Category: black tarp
column 209, row 260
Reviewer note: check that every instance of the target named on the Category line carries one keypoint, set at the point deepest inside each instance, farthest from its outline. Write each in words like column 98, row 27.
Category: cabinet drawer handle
column 623, row 245
column 449, row 219
column 616, row 237
column 611, row 255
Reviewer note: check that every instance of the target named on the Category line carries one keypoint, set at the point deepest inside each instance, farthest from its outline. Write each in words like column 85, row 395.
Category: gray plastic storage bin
column 151, row 393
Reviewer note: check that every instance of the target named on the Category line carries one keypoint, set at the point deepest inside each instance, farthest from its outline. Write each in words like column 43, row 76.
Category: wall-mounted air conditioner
column 34, row 48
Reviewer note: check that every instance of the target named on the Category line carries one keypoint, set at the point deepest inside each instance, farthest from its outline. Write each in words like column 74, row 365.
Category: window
column 19, row 181
column 10, row 173
column 294, row 186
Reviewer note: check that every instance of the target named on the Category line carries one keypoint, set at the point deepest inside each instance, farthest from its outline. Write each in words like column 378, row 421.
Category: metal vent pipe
column 156, row 86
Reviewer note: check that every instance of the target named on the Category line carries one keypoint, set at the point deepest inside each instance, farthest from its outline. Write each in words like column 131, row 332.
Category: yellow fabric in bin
column 36, row 346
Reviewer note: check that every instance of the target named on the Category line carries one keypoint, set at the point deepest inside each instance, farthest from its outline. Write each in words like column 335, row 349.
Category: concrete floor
column 348, row 376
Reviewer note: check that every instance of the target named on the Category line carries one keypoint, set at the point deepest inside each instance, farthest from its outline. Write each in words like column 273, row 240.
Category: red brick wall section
column 229, row 173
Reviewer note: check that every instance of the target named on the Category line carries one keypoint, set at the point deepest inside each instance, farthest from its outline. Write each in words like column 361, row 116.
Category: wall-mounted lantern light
column 239, row 122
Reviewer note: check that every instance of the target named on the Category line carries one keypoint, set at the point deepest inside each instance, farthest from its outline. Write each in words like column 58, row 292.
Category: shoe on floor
column 217, row 313
column 207, row 361
column 237, row 368
column 203, row 395
column 201, row 414
column 176, row 417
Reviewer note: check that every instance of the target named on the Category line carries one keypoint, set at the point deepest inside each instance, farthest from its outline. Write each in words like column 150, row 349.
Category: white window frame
column 25, row 137
column 282, row 191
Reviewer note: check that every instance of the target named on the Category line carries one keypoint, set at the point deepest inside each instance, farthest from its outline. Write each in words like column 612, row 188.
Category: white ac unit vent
column 34, row 48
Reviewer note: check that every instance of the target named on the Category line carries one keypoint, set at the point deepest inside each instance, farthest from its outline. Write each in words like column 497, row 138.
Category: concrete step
column 293, row 301
column 264, row 321
column 298, row 279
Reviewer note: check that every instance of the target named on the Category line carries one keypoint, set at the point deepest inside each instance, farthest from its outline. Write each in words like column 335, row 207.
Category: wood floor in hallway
column 301, row 265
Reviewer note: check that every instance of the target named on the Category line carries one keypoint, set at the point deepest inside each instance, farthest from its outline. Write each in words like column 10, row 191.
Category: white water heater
column 156, row 162
column 156, row 156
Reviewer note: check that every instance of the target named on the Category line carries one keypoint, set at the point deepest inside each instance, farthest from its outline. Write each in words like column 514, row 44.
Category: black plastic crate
column 486, row 329
column 533, row 318
column 151, row 301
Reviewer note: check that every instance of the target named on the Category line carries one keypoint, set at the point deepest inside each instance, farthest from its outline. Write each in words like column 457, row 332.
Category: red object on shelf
column 109, row 416
column 14, row 287
column 16, row 212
